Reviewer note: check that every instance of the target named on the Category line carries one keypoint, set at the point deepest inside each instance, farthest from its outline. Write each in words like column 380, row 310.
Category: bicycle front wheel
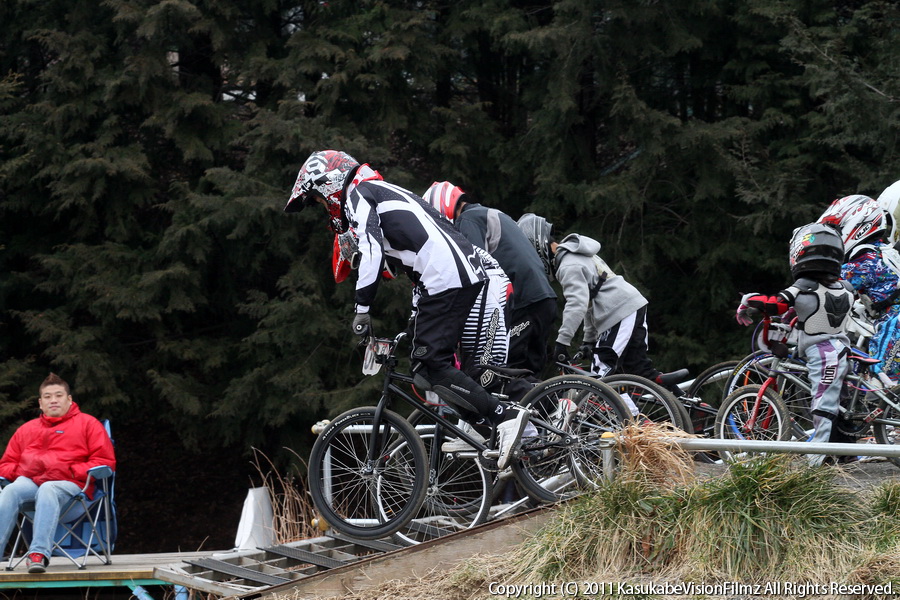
column 791, row 383
column 651, row 400
column 886, row 427
column 586, row 408
column 459, row 491
column 363, row 497
column 751, row 414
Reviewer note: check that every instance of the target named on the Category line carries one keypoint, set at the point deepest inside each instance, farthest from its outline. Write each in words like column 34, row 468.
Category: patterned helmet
column 444, row 197
column 889, row 201
column 816, row 248
column 858, row 218
column 323, row 175
column 539, row 231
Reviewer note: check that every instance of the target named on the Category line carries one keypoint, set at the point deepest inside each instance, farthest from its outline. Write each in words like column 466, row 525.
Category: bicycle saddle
column 865, row 360
column 673, row 377
column 508, row 371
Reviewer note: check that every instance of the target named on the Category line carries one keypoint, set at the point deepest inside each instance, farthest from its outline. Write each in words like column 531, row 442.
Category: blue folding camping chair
column 87, row 527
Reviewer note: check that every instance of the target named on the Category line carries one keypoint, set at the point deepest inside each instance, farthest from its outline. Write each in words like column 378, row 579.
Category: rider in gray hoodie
column 613, row 312
column 599, row 305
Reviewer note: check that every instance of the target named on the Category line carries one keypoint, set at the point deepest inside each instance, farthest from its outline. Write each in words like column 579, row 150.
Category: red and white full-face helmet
column 324, row 175
column 444, row 196
column 859, row 219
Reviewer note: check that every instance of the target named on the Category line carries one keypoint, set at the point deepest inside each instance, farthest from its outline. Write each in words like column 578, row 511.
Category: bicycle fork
column 750, row 425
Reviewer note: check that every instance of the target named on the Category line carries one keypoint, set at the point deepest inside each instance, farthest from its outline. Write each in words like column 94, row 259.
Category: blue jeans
column 49, row 498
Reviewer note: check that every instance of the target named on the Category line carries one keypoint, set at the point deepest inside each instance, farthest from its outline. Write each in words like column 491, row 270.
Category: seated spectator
column 47, row 461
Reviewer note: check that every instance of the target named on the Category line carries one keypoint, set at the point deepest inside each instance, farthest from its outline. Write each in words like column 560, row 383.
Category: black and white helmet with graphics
column 816, row 248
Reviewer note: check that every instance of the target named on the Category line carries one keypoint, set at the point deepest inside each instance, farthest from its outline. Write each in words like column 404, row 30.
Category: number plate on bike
column 374, row 349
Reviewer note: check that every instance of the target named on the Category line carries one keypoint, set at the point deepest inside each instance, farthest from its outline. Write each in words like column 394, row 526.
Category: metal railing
column 885, row 450
column 608, row 443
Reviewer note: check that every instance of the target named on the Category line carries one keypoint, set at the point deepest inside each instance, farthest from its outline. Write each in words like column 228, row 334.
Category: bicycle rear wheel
column 708, row 388
column 459, row 492
column 702, row 401
column 741, row 417
column 362, row 498
column 653, row 401
column 596, row 416
column 549, row 470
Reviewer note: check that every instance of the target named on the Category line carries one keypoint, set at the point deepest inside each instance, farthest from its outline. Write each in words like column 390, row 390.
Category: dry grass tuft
column 645, row 458
column 773, row 518
column 877, row 568
column 291, row 505
column 468, row 581
column 882, row 563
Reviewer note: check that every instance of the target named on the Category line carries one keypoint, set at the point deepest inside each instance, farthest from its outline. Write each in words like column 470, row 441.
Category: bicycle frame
column 861, row 387
column 391, row 387
column 771, row 382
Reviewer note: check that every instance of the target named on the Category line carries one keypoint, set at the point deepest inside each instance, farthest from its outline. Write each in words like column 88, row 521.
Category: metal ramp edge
column 438, row 554
column 239, row 572
column 284, row 568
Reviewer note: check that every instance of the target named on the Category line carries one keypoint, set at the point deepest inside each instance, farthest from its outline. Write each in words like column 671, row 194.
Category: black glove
column 362, row 324
column 586, row 351
column 561, row 353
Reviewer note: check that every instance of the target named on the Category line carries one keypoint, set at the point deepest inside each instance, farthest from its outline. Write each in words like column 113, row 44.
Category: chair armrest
column 100, row 472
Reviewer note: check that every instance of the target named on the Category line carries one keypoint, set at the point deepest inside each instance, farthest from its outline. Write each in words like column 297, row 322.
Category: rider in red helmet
column 872, row 267
column 533, row 302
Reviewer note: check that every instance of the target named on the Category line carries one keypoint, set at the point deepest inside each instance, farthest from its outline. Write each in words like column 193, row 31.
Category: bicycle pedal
column 873, row 415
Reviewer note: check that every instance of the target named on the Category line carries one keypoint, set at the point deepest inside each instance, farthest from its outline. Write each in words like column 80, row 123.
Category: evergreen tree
column 147, row 148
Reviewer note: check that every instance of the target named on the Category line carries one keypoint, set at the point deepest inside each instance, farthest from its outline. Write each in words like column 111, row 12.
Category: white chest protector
column 822, row 309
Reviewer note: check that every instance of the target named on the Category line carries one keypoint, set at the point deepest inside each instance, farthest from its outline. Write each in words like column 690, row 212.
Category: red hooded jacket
column 58, row 449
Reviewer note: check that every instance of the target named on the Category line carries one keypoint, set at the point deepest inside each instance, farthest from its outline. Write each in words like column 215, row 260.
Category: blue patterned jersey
column 870, row 275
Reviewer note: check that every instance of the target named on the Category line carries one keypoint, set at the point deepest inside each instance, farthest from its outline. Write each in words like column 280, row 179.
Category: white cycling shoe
column 509, row 433
column 461, row 445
